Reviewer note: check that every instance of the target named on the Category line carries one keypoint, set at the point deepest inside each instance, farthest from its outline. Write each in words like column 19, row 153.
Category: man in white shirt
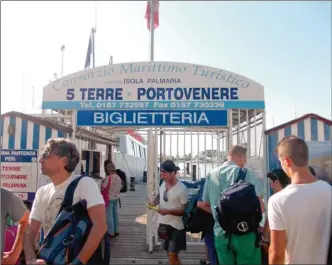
column 58, row 161
column 300, row 214
column 172, row 200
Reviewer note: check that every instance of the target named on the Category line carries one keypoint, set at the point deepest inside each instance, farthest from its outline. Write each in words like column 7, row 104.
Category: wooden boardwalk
column 131, row 247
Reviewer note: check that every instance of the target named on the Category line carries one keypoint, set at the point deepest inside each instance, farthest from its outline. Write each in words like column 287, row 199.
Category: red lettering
column 13, row 185
column 14, row 177
column 136, row 136
column 7, row 168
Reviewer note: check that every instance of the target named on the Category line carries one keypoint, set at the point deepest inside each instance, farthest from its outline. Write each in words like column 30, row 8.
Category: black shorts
column 176, row 242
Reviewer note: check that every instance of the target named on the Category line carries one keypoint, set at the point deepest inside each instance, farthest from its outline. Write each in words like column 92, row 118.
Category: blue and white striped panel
column 28, row 135
column 309, row 129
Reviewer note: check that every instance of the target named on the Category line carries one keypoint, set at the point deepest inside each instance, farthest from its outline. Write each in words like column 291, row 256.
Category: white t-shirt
column 177, row 197
column 304, row 211
column 49, row 198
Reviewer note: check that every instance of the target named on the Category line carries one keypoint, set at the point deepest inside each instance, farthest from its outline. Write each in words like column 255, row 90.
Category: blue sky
column 286, row 46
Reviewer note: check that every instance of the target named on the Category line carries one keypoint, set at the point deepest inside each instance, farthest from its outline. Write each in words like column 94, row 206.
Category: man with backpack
column 80, row 195
column 239, row 244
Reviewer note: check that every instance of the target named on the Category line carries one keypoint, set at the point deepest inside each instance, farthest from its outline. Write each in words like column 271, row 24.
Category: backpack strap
column 242, row 175
column 69, row 195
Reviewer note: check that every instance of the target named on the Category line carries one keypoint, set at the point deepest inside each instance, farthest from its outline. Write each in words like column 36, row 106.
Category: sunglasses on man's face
column 165, row 196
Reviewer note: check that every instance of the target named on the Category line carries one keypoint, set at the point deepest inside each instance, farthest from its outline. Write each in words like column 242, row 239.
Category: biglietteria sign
column 153, row 86
column 154, row 118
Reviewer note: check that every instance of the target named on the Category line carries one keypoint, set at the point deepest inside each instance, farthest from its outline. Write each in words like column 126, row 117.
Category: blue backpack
column 65, row 240
column 239, row 211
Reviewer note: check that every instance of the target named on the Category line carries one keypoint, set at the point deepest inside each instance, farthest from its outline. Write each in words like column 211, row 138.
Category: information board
column 153, row 85
column 155, row 118
column 19, row 171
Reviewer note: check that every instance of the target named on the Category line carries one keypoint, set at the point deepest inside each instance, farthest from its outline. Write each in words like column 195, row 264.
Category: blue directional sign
column 152, row 118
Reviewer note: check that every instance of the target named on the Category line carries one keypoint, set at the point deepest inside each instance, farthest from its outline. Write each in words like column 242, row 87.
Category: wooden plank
column 131, row 245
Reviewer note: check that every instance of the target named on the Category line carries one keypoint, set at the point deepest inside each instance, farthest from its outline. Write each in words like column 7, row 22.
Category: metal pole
column 95, row 18
column 151, row 174
column 152, row 10
column 93, row 31
column 161, row 154
column 62, row 58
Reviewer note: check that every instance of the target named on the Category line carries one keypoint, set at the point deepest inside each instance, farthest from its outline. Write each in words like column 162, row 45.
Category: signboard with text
column 19, row 171
column 153, row 86
column 152, row 118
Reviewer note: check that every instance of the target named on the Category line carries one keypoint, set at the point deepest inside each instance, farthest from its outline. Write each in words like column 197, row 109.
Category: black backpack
column 195, row 219
column 123, row 177
column 65, row 240
column 239, row 211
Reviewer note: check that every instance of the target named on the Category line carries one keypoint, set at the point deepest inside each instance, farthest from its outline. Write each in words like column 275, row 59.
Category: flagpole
column 93, row 31
column 152, row 158
column 95, row 18
column 62, row 58
column 152, row 10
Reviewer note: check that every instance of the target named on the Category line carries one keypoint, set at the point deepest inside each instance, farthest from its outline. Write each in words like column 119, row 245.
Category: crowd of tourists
column 72, row 220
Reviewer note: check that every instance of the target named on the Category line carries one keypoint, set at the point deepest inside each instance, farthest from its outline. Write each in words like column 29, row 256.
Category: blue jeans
column 112, row 216
column 209, row 242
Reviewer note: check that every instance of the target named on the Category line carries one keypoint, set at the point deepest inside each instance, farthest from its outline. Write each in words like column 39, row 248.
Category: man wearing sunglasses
column 172, row 200
column 58, row 161
column 278, row 179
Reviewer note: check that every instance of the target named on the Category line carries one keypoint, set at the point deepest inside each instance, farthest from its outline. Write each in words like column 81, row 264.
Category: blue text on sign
column 149, row 118
column 18, row 156
column 159, row 93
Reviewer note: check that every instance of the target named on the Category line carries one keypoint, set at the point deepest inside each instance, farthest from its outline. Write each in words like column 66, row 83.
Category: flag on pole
column 148, row 14
column 88, row 53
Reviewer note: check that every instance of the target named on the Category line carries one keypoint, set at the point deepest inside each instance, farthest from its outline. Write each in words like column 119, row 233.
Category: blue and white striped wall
column 309, row 129
column 27, row 135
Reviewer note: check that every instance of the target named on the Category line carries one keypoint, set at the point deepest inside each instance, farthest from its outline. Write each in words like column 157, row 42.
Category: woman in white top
column 114, row 196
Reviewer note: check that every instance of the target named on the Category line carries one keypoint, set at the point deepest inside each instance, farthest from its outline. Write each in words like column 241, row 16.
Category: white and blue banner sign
column 153, row 85
column 19, row 171
column 152, row 118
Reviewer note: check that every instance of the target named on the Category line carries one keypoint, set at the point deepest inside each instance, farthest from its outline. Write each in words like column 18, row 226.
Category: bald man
column 300, row 214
